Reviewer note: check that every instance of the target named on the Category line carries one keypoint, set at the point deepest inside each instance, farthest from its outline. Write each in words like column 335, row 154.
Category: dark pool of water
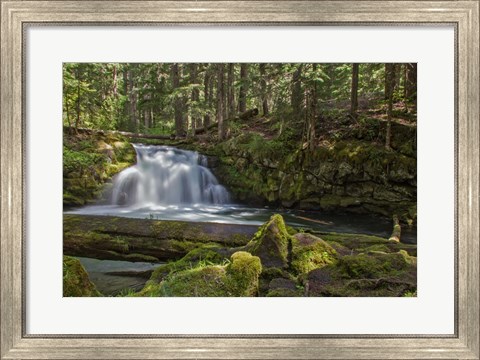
column 111, row 285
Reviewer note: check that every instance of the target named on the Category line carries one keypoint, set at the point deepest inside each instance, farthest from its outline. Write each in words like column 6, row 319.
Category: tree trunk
column 115, row 81
column 263, row 84
column 77, row 120
column 195, row 96
column 207, row 97
column 231, row 91
column 242, row 97
column 132, row 101
column 220, row 101
column 389, row 82
column 411, row 84
column 297, row 99
column 178, row 103
column 312, row 112
column 354, row 97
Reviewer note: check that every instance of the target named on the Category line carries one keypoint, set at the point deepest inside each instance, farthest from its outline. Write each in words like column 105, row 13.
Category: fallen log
column 248, row 114
column 145, row 240
column 123, row 133
column 202, row 130
column 146, row 136
column 397, row 230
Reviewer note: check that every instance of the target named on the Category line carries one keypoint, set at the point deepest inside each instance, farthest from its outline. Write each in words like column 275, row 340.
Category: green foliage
column 243, row 272
column 75, row 279
column 238, row 277
column 79, row 160
column 310, row 252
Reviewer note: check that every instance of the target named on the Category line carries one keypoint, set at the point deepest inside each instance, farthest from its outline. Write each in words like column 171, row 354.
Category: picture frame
column 16, row 344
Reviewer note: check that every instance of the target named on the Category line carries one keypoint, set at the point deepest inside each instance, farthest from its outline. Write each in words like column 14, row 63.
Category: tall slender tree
column 207, row 96
column 297, row 98
column 178, row 103
column 263, row 84
column 220, row 100
column 230, row 91
column 354, row 95
column 194, row 98
column 242, row 97
column 389, row 86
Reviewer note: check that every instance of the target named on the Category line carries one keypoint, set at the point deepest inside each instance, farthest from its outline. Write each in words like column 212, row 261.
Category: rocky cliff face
column 350, row 175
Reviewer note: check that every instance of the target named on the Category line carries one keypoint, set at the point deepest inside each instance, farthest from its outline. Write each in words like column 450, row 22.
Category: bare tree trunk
column 231, row 91
column 178, row 101
column 298, row 98
column 354, row 95
column 312, row 116
column 389, row 82
column 132, row 101
column 77, row 121
column 263, row 84
column 220, row 101
column 411, row 84
column 242, row 98
column 207, row 95
column 146, row 113
column 115, row 81
column 195, row 95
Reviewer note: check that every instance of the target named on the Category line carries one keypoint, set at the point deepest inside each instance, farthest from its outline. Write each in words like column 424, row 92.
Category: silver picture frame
column 16, row 16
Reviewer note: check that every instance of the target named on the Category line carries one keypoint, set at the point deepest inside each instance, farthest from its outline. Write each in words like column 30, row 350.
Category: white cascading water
column 167, row 176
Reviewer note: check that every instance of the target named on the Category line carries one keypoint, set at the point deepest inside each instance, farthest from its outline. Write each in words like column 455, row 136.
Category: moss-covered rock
column 207, row 254
column 90, row 160
column 372, row 274
column 243, row 273
column 76, row 282
column 281, row 287
column 271, row 243
column 340, row 174
column 238, row 278
column 310, row 252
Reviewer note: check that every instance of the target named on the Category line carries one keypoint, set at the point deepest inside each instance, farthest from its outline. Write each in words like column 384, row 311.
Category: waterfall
column 166, row 175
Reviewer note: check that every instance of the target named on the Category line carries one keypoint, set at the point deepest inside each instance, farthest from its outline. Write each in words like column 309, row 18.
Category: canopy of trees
column 160, row 98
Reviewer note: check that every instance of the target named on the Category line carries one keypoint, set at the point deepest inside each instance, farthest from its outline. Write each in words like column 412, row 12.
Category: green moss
column 310, row 252
column 173, row 229
column 89, row 161
column 378, row 248
column 76, row 282
column 238, row 278
column 374, row 265
column 208, row 253
column 271, row 243
column 243, row 272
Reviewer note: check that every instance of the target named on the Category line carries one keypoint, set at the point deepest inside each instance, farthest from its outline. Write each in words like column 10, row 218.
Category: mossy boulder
column 90, row 160
column 281, row 287
column 366, row 274
column 242, row 274
column 310, row 252
column 208, row 254
column 238, row 278
column 271, row 243
column 76, row 282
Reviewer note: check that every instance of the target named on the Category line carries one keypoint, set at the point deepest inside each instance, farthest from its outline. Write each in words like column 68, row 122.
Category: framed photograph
column 223, row 179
